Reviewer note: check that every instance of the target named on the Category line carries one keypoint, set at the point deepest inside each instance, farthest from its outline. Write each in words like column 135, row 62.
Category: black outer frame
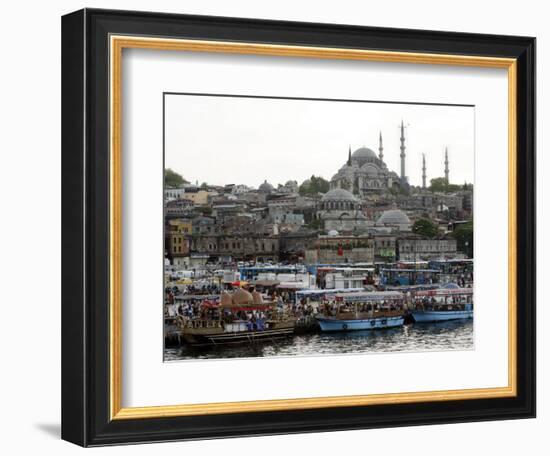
column 85, row 227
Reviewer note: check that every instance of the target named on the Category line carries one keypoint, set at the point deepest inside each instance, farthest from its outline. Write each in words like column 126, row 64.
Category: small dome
column 394, row 217
column 257, row 297
column 338, row 194
column 241, row 297
column 333, row 233
column 266, row 187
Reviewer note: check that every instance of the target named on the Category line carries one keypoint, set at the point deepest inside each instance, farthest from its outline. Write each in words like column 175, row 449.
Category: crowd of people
column 201, row 302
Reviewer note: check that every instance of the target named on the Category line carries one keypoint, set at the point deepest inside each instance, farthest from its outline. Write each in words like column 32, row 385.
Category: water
column 440, row 336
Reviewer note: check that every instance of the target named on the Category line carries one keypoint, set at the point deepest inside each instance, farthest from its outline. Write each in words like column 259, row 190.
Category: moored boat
column 443, row 304
column 363, row 311
column 240, row 317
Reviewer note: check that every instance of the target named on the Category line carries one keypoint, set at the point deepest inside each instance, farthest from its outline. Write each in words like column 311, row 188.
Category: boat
column 362, row 311
column 442, row 304
column 239, row 317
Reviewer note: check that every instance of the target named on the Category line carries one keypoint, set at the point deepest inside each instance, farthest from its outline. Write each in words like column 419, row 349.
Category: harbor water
column 419, row 337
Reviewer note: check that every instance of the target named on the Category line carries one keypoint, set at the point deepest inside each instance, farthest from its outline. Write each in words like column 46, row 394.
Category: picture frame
column 92, row 365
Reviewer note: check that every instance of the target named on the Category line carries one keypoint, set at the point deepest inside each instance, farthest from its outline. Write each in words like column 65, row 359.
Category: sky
column 236, row 140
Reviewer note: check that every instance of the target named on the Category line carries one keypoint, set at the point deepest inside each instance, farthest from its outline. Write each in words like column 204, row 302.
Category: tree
column 464, row 235
column 425, row 227
column 315, row 224
column 439, row 184
column 173, row 179
column 314, row 185
column 205, row 210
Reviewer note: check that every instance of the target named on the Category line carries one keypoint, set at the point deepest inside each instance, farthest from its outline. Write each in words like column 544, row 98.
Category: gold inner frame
column 117, row 44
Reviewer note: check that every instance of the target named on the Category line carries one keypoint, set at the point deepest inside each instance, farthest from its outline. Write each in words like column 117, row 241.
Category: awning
column 239, row 283
column 267, row 283
column 291, row 286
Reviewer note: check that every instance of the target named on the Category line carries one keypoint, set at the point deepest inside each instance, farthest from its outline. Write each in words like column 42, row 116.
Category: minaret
column 446, row 166
column 423, row 170
column 403, row 178
column 380, row 148
column 349, row 155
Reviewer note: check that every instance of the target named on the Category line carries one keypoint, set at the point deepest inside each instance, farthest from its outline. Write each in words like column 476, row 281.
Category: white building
column 173, row 193
column 347, row 278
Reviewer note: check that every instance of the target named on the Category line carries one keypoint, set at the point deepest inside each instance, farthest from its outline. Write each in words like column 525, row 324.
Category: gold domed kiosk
column 257, row 298
column 226, row 299
column 242, row 297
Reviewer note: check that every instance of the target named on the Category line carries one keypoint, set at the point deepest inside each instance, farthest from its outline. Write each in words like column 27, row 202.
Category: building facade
column 416, row 249
column 341, row 249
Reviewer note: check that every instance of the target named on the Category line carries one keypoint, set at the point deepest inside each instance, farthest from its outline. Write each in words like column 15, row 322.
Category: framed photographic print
column 268, row 227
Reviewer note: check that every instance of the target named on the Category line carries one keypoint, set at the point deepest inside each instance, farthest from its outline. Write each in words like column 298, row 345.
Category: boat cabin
column 366, row 304
column 443, row 299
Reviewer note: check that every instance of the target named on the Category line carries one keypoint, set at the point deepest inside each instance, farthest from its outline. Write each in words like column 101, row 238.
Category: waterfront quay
column 270, row 303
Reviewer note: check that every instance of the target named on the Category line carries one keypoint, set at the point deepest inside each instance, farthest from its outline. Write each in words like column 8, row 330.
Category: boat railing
column 200, row 323
column 442, row 306
column 369, row 314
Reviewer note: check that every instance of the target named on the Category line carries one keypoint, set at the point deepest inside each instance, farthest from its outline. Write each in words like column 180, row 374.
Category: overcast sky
column 235, row 140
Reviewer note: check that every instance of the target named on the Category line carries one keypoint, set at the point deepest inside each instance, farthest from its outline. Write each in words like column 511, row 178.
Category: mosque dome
column 393, row 217
column 363, row 153
column 338, row 194
column 266, row 187
column 333, row 233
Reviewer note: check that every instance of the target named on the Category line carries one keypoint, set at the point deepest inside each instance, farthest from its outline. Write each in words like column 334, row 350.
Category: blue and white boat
column 362, row 310
column 443, row 304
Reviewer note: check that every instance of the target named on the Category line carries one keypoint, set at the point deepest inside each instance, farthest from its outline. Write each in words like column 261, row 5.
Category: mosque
column 365, row 172
column 364, row 175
